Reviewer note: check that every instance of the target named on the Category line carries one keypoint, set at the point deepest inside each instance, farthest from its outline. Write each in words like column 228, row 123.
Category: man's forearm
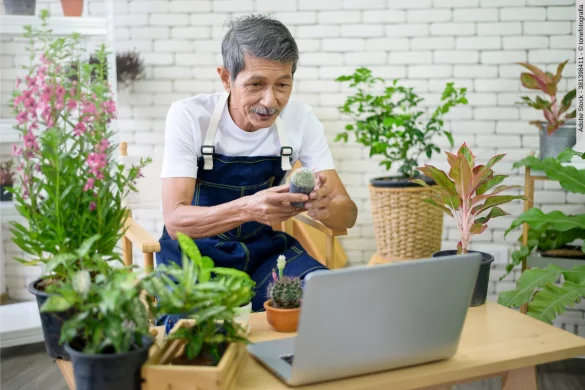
column 342, row 213
column 201, row 222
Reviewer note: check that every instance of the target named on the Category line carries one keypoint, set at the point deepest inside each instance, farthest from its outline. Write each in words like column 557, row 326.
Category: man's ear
column 224, row 75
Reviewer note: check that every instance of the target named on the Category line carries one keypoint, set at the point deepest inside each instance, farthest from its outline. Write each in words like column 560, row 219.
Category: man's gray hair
column 261, row 37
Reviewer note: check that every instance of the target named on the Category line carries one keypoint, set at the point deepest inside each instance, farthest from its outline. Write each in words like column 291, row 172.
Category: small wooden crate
column 157, row 374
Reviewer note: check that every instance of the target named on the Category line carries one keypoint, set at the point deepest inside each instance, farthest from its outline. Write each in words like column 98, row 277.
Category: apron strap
column 285, row 148
column 208, row 150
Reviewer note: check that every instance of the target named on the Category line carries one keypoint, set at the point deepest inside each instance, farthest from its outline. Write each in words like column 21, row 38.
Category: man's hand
column 319, row 199
column 273, row 205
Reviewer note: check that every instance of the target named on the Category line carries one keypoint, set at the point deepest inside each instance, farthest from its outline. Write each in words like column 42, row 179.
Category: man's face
column 259, row 93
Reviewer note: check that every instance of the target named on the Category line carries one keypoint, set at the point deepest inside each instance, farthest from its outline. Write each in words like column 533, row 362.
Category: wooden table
column 496, row 341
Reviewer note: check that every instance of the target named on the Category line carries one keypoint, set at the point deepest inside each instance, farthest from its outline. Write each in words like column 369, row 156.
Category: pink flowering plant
column 71, row 186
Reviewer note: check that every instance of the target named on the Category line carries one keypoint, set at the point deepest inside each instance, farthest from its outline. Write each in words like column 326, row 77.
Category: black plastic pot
column 51, row 323
column 5, row 196
column 112, row 371
column 483, row 277
column 20, row 7
column 398, row 181
column 299, row 190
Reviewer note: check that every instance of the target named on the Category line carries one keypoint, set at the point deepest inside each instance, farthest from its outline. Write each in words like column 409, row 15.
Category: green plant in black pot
column 386, row 118
column 129, row 68
column 6, row 180
column 206, row 296
column 108, row 336
column 470, row 194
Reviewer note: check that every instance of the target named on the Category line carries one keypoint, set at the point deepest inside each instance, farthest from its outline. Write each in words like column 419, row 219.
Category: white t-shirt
column 188, row 119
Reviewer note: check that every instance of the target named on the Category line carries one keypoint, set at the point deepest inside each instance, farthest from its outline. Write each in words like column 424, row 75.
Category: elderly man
column 227, row 153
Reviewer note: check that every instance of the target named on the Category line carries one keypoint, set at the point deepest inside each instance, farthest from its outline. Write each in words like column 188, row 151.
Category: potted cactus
column 557, row 133
column 284, row 304
column 464, row 194
column 302, row 181
column 6, row 180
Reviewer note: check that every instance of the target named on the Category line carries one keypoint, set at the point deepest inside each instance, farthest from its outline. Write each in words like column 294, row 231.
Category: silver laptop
column 363, row 320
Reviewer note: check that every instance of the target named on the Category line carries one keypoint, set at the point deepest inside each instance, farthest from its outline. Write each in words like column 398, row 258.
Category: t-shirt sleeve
column 314, row 152
column 181, row 143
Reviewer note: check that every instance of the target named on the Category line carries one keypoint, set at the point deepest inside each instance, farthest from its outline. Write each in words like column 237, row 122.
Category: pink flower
column 274, row 275
column 79, row 129
column 22, row 117
column 96, row 162
column 92, row 206
column 89, row 185
column 16, row 150
column 103, row 145
column 71, row 104
column 30, row 141
column 18, row 82
column 44, row 59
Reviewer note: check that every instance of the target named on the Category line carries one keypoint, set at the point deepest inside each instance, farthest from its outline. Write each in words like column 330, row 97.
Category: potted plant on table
column 557, row 133
column 6, row 180
column 205, row 343
column 108, row 335
column 71, row 186
column 285, row 294
column 387, row 120
column 465, row 193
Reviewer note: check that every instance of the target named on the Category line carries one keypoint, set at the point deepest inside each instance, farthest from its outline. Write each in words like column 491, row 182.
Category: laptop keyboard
column 288, row 358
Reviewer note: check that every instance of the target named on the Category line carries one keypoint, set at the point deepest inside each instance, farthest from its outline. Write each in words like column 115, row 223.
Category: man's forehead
column 261, row 68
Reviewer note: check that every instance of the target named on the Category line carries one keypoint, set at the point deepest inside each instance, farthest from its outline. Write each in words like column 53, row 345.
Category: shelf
column 65, row 25
column 21, row 324
column 7, row 133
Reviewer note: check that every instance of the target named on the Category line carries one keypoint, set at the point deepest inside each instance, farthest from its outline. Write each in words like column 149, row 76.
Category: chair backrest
column 150, row 185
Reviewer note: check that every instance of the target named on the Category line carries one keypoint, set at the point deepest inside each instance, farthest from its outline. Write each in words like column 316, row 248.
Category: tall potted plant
column 70, row 183
column 465, row 193
column 387, row 120
column 557, row 131
column 108, row 336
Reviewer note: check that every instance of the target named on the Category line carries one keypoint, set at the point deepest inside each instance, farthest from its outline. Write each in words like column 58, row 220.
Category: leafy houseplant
column 465, row 193
column 553, row 230
column 387, row 119
column 537, row 287
column 210, row 296
column 285, row 294
column 129, row 68
column 556, row 134
column 71, row 185
column 6, row 180
column 108, row 336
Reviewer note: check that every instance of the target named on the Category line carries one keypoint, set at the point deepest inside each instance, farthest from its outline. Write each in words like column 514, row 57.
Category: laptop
column 362, row 320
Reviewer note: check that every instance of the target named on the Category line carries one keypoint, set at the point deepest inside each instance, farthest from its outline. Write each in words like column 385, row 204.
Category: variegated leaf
column 494, row 181
column 494, row 212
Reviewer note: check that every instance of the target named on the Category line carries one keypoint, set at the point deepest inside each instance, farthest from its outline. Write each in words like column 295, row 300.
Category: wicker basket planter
column 158, row 373
column 405, row 227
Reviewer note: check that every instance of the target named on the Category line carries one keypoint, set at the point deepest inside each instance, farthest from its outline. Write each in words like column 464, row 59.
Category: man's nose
column 269, row 98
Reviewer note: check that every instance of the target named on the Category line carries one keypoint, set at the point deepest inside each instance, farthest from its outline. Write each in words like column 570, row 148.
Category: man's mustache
column 263, row 110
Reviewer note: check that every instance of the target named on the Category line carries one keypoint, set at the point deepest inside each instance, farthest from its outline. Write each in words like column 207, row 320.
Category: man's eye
column 283, row 85
column 256, row 84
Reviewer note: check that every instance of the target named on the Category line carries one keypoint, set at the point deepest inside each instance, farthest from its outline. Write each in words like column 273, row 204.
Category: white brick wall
column 426, row 43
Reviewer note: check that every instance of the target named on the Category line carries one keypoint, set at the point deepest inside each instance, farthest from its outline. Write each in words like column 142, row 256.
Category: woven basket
column 406, row 228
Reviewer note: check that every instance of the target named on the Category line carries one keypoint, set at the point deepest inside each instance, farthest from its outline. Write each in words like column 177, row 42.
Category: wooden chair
column 317, row 239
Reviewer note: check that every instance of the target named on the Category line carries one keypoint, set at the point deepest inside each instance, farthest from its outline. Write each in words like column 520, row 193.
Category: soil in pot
column 483, row 277
column 282, row 320
column 205, row 358
column 108, row 371
column 399, row 181
column 51, row 322
column 20, row 7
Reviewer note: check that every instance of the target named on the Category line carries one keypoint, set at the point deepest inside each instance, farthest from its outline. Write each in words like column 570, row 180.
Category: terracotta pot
column 72, row 7
column 282, row 320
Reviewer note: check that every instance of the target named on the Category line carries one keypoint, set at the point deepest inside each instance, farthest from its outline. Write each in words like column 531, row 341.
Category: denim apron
column 251, row 247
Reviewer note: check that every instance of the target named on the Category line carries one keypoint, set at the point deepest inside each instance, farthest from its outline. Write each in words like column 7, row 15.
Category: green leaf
column 81, row 282
column 495, row 201
column 569, row 177
column 440, row 178
column 449, row 137
column 189, row 247
column 194, row 346
column 529, row 81
column 556, row 220
column 494, row 212
column 86, row 245
column 529, row 280
column 439, row 206
column 552, row 300
column 55, row 303
column 568, row 98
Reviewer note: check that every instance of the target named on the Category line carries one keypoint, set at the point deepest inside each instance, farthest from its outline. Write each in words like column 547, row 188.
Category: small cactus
column 302, row 181
column 286, row 291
